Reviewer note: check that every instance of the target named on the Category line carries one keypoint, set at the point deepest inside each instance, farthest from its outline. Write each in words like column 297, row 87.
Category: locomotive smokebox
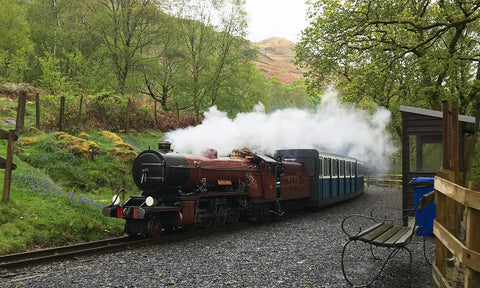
column 153, row 170
column 164, row 146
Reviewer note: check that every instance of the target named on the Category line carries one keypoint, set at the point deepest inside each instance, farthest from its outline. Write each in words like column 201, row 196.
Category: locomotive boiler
column 188, row 190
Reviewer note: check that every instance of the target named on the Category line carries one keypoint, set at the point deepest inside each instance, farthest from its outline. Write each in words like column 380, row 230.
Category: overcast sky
column 275, row 18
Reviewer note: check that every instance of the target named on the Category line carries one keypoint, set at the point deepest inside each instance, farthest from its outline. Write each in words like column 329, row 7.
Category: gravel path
column 299, row 251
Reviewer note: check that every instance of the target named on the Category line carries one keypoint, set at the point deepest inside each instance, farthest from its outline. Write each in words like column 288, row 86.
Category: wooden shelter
column 422, row 151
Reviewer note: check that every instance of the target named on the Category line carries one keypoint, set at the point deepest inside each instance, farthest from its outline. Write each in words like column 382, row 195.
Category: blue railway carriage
column 333, row 178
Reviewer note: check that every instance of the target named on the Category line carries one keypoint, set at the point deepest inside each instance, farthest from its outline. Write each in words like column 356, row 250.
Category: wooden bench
column 384, row 233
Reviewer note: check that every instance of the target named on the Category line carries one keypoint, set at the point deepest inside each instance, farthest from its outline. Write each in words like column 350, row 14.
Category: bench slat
column 407, row 235
column 376, row 232
column 401, row 233
column 387, row 235
column 359, row 235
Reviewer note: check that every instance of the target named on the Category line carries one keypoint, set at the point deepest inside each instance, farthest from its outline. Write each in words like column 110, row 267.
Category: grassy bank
column 59, row 188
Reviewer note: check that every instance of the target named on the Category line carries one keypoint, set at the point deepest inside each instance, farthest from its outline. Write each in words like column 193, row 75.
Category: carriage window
column 308, row 164
column 354, row 168
column 326, row 166
column 342, row 168
column 320, row 166
column 360, row 170
column 334, row 167
column 347, row 169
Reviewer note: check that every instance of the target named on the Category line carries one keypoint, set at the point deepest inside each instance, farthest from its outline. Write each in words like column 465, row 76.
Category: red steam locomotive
column 181, row 190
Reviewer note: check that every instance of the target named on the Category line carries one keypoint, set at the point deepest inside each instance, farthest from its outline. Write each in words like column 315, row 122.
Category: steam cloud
column 335, row 128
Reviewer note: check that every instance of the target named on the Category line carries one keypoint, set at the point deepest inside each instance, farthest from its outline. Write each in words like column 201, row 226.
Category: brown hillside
column 275, row 58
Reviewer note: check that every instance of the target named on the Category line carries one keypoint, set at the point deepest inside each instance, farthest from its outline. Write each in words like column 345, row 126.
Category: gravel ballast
column 303, row 250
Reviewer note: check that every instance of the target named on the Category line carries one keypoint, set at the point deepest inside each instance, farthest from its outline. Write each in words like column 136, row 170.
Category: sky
column 275, row 18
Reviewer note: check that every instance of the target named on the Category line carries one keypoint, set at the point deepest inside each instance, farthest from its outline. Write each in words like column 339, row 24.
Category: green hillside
column 61, row 183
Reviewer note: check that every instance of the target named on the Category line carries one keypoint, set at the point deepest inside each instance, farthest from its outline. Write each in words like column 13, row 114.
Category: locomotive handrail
column 114, row 201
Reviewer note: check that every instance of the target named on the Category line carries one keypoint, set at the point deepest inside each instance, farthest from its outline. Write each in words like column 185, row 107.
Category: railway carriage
column 187, row 190
column 333, row 178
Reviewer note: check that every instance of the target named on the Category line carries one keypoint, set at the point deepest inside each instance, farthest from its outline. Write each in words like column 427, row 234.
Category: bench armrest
column 390, row 214
column 355, row 224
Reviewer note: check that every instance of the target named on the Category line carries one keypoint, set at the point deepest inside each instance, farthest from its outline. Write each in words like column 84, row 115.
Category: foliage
column 126, row 28
column 395, row 52
column 16, row 44
column 52, row 79
column 56, row 196
column 44, row 214
column 187, row 55
column 76, row 50
column 212, row 52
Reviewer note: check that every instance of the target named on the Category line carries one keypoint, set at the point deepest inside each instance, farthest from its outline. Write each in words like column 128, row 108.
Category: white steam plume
column 335, row 128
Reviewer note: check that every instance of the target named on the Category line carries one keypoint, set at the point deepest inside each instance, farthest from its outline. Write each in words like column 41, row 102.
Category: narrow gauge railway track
column 51, row 254
column 18, row 260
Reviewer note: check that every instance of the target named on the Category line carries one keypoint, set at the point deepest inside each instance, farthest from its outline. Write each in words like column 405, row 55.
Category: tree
column 396, row 52
column 416, row 52
column 211, row 32
column 126, row 28
column 166, row 65
column 52, row 79
column 249, row 89
column 15, row 44
column 230, row 44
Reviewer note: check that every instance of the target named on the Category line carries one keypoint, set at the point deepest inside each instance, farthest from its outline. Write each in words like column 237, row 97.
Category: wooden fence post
column 62, row 114
column 448, row 210
column 155, row 113
column 472, row 277
column 80, row 118
column 451, row 200
column 9, row 166
column 37, row 110
column 22, row 99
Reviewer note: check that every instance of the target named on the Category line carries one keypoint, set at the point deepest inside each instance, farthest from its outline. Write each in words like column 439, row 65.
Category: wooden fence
column 384, row 180
column 7, row 163
column 467, row 253
column 11, row 136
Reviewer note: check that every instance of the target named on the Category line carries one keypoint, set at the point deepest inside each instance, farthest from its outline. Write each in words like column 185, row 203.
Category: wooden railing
column 384, row 180
column 448, row 195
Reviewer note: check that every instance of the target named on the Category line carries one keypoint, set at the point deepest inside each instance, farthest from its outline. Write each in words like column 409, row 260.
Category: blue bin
column 421, row 186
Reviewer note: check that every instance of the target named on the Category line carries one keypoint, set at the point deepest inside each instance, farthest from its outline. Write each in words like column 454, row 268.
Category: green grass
column 56, row 197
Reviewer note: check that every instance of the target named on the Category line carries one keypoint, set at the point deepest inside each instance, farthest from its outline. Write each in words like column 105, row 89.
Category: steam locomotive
column 186, row 190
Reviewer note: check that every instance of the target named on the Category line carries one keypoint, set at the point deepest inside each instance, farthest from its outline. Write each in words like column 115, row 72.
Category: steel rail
column 57, row 253
column 19, row 260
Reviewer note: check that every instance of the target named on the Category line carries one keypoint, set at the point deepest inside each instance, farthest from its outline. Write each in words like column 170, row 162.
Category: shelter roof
column 468, row 122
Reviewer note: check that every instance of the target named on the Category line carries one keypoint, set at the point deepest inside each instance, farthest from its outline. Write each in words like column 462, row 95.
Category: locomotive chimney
column 164, row 146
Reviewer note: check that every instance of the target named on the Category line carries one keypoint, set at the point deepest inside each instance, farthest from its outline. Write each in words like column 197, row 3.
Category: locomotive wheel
column 154, row 228
column 234, row 217
column 221, row 219
column 209, row 221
